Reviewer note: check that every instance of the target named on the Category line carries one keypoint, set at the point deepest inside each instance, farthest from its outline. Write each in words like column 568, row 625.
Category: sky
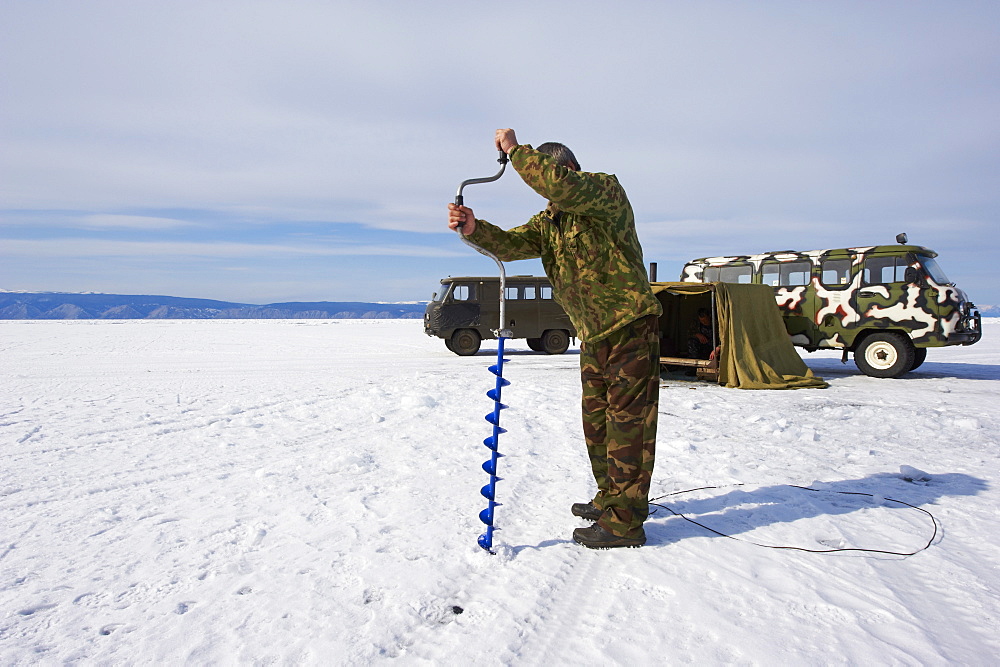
column 262, row 151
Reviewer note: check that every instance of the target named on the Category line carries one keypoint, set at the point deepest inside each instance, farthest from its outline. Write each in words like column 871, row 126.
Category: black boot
column 596, row 537
column 586, row 511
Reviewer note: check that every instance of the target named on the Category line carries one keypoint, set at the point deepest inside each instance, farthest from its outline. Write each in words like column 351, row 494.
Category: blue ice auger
column 490, row 466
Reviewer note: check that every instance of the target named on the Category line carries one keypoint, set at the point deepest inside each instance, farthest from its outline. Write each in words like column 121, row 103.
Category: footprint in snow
column 31, row 611
column 255, row 536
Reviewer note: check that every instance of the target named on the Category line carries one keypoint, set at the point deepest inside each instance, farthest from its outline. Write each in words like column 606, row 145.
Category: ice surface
column 307, row 492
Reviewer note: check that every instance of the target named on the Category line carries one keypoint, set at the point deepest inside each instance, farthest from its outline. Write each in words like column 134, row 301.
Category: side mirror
column 911, row 276
column 901, row 238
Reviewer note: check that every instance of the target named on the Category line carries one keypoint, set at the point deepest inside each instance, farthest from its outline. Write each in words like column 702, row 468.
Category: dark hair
column 562, row 154
column 703, row 311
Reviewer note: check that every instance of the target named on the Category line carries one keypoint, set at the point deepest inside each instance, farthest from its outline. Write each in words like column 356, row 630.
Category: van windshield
column 933, row 270
column 442, row 289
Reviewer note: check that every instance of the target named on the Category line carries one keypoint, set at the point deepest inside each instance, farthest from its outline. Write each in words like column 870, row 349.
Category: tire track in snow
column 563, row 610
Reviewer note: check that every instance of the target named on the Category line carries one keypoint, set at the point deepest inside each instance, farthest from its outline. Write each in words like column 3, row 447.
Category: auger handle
column 459, row 201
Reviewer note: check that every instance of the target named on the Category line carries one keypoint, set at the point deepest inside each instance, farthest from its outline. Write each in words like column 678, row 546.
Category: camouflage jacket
column 587, row 243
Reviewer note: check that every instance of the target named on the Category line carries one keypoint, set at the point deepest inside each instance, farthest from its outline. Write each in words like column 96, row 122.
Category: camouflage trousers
column 621, row 387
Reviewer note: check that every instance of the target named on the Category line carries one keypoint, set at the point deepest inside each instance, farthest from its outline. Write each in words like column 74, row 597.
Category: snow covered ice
column 307, row 492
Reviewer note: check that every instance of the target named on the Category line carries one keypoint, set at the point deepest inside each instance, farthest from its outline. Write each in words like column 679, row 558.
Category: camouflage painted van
column 886, row 304
column 466, row 310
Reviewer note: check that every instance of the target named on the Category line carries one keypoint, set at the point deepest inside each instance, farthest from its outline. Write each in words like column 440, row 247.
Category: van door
column 836, row 316
column 460, row 307
column 791, row 281
column 881, row 300
column 489, row 304
column 528, row 326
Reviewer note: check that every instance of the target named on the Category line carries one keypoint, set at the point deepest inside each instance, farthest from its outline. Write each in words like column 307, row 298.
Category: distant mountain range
column 70, row 306
column 75, row 306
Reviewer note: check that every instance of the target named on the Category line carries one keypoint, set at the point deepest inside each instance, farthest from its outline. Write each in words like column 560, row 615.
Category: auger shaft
column 492, row 442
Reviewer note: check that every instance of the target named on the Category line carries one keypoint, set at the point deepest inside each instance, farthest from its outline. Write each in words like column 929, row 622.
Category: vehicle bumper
column 970, row 329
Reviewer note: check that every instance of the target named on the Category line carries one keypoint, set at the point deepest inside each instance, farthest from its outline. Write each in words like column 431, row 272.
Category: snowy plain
column 307, row 492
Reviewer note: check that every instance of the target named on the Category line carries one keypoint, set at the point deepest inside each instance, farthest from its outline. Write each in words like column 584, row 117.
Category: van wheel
column 919, row 354
column 465, row 342
column 535, row 344
column 884, row 355
column 555, row 341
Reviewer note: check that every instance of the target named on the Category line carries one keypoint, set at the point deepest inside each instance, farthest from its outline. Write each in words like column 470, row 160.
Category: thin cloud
column 83, row 247
column 133, row 222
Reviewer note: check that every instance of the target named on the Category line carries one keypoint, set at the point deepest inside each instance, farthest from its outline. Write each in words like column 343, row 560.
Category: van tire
column 555, row 341
column 884, row 355
column 919, row 354
column 535, row 344
column 465, row 342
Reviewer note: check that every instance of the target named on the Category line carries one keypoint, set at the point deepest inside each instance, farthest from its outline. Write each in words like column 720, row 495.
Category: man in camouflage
column 586, row 240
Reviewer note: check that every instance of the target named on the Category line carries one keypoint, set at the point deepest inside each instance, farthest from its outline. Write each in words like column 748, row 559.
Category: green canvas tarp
column 755, row 349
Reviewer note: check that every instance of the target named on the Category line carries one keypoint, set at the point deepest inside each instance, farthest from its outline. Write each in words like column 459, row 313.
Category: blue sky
column 279, row 151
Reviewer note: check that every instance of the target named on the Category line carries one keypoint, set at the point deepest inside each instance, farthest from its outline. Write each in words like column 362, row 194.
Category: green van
column 466, row 310
column 886, row 304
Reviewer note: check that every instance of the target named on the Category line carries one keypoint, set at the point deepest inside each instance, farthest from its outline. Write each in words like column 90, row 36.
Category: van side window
column 769, row 274
column 711, row 274
column 785, row 274
column 529, row 291
column 463, row 293
column 836, row 271
column 885, row 270
column 736, row 274
column 511, row 293
column 546, row 291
